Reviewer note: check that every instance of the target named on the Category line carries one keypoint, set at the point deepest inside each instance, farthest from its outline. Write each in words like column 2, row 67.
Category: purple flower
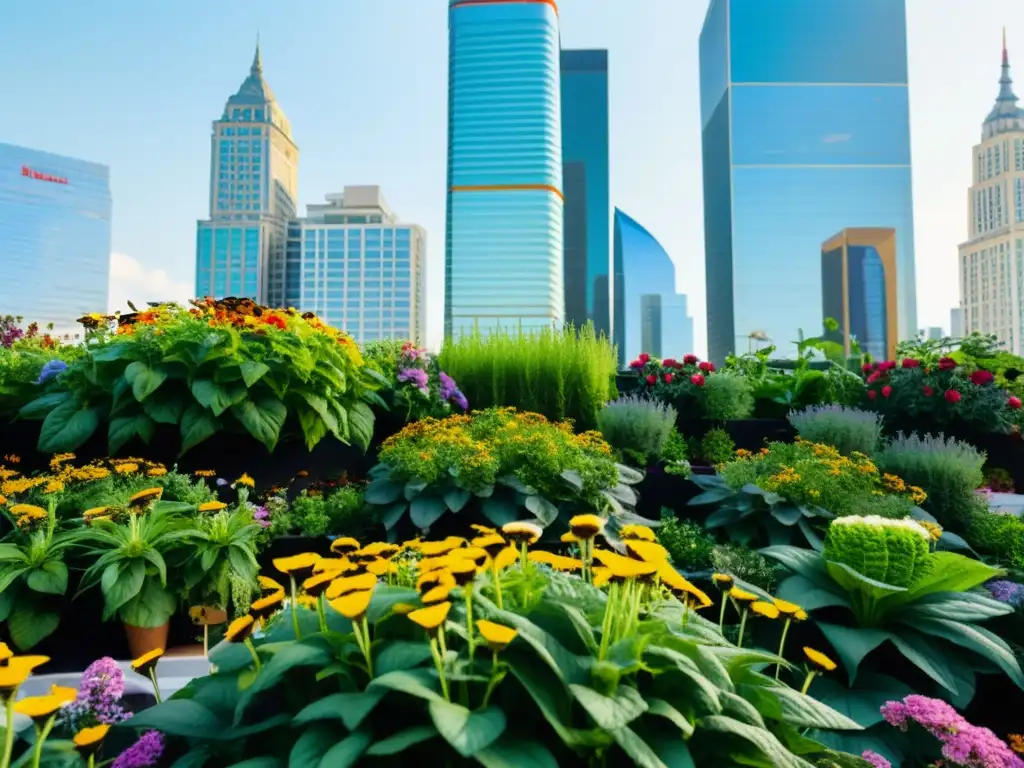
column 51, row 370
column 99, row 694
column 415, row 376
column 262, row 516
column 1009, row 592
column 460, row 400
column 875, row 759
column 222, row 482
column 448, row 388
column 145, row 752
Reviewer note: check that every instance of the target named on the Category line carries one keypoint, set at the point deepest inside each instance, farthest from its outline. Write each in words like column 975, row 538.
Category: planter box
column 660, row 490
column 750, row 434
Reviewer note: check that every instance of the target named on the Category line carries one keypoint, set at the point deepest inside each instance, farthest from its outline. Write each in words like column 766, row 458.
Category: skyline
column 117, row 94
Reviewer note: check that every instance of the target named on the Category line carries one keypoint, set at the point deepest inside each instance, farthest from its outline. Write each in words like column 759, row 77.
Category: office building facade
column 55, row 228
column 254, row 180
column 505, row 205
column 649, row 315
column 587, row 225
column 358, row 267
column 991, row 260
column 803, row 135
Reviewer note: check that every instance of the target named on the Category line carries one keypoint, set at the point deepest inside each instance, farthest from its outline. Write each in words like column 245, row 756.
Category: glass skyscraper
column 254, row 179
column 358, row 267
column 587, row 255
column 503, row 244
column 649, row 315
column 55, row 231
column 805, row 119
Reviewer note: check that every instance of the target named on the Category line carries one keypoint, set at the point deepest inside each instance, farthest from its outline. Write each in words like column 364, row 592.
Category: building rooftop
column 254, row 89
column 1006, row 115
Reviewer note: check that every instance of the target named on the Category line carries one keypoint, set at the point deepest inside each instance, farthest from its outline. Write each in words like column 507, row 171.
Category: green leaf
column 50, row 578
column 347, row 751
column 413, row 489
column 760, row 738
column 389, row 517
column 197, row 424
column 383, row 491
column 420, row 683
column 424, row 511
column 360, row 421
column 965, row 606
column 456, row 498
column 181, row 717
column 350, row 708
column 306, row 653
column 610, row 712
column 265, row 761
column 467, row 732
column 121, row 582
column 400, row 655
column 542, row 509
column 498, row 511
column 852, row 644
column 863, row 703
column 950, row 573
column 662, row 708
column 805, row 562
column 41, row 406
column 165, row 406
column 401, row 741
column 323, row 410
column 144, row 380
column 787, row 513
column 313, row 427
column 67, row 427
column 124, row 428
column 806, row 712
column 216, row 397
column 29, row 625
column 811, row 595
column 263, row 417
column 853, row 581
column 926, row 656
column 977, row 639
column 640, row 753
column 312, row 745
column 253, row 371
column 152, row 607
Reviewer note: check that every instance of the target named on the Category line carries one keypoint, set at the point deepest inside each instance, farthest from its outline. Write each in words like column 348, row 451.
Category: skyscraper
column 805, row 128
column 254, row 180
column 587, row 255
column 354, row 263
column 503, row 244
column 55, row 230
column 991, row 276
column 649, row 315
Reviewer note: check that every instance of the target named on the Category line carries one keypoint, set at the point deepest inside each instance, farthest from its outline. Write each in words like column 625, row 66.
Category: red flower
column 928, row 391
column 872, row 394
column 868, row 367
column 888, row 365
column 643, row 357
column 668, row 378
column 689, row 359
column 636, row 364
column 947, row 364
column 874, row 377
column 952, row 396
column 668, row 362
column 697, row 380
column 652, row 379
column 909, row 362
column 981, row 377
column 886, row 390
column 1014, row 402
column 275, row 321
column 707, row 367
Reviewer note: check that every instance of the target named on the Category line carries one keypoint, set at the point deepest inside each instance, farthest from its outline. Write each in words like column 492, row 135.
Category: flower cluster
column 99, row 696
column 1009, row 592
column 420, row 387
column 144, row 753
column 65, row 475
column 670, row 372
column 963, row 744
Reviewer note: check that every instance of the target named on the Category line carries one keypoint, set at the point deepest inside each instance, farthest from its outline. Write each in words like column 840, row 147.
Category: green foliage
column 690, row 547
column 745, row 564
column 849, row 430
column 224, row 556
column 998, row 535
column 716, row 447
column 728, row 396
column 309, row 515
column 566, row 374
column 637, row 427
column 417, row 387
column 947, row 469
column 893, row 552
column 693, row 388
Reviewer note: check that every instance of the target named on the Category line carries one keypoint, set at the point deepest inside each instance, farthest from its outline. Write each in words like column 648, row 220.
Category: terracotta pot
column 142, row 640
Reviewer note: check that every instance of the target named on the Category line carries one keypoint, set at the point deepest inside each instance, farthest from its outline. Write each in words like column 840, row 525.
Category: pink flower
column 982, row 377
column 872, row 394
column 1014, row 402
column 888, row 365
column 886, row 390
column 927, row 391
column 875, row 759
column 637, row 365
column 668, row 378
column 652, row 379
column 874, row 377
column 947, row 364
column 909, row 362
column 952, row 396
column 689, row 359
column 707, row 367
column 868, row 367
column 643, row 357
column 668, row 362
column 697, row 380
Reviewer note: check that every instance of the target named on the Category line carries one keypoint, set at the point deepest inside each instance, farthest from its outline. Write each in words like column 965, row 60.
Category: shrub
column 745, row 564
column 727, row 396
column 690, row 547
column 417, row 386
column 948, row 470
column 637, row 427
column 716, row 447
column 895, row 552
column 997, row 534
column 695, row 389
column 849, row 430
column 567, row 374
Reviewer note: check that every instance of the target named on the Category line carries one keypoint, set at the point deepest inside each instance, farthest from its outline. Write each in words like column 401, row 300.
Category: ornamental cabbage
column 894, row 552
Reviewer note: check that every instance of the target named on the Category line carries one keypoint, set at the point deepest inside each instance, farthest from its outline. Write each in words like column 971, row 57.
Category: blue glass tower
column 254, row 179
column 503, row 243
column 587, row 255
column 805, row 121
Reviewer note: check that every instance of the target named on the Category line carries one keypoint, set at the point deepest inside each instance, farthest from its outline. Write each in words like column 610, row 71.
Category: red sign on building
column 26, row 171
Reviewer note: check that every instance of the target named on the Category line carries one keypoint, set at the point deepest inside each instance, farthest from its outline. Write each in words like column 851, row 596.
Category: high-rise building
column 254, row 181
column 503, row 244
column 587, row 255
column 649, row 315
column 956, row 322
column 805, row 132
column 991, row 260
column 356, row 265
column 859, row 287
column 55, row 230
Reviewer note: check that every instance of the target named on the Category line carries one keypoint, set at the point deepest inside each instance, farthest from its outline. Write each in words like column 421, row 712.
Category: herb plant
column 849, row 430
column 637, row 427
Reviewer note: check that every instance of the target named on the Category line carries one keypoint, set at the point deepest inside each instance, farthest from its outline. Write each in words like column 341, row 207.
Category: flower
column 909, row 362
column 874, row 377
column 522, row 531
column 952, row 396
column 298, row 566
column 927, row 392
column 1014, row 402
column 448, row 387
column 875, row 759
column 439, row 578
column 345, row 544
column 52, row 369
column 1009, row 592
column 436, row 595
column 354, row 605
column 785, row 607
column 17, row 669
column 144, row 753
column 147, row 661
column 267, row 584
column 637, row 364
column 646, row 551
column 738, row 593
column 722, row 580
column 697, row 380
column 761, row 608
column 557, row 562
column 88, row 740
column 652, row 379
column 246, row 481
column 624, row 567
column 317, row 584
column 568, row 538
column 460, row 400
column 261, row 515
column 947, row 364
column 349, row 584
column 667, row 378
column 212, row 506
column 265, row 606
column 42, row 707
column 239, row 629
column 707, row 367
column 867, row 367
column 585, row 527
column 643, row 357
column 819, row 659
column 497, row 636
column 432, row 617
column 982, row 377
column 637, row 531
column 416, row 376
column 872, row 394
column 886, row 390
column 144, row 497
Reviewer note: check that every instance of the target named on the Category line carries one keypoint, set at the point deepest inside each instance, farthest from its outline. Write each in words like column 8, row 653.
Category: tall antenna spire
column 257, row 62
column 1006, row 56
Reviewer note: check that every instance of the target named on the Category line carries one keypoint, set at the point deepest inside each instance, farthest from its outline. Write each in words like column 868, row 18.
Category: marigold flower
column 353, row 605
column 28, row 510
column 432, row 617
column 246, row 481
column 819, row 659
column 600, row 576
column 335, row 565
column 522, row 530
column 436, row 578
column 483, row 529
column 497, row 636
column 144, row 497
column 94, row 512
column 475, row 555
column 586, row 527
column 240, row 629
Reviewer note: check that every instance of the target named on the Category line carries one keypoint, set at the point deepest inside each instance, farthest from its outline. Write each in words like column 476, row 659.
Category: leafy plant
column 226, row 364
column 561, row 374
column 689, row 546
column 637, row 427
column 225, row 547
column 716, row 447
column 998, row 535
column 849, row 430
column 728, row 396
column 694, row 388
column 746, row 564
column 418, row 386
column 947, row 469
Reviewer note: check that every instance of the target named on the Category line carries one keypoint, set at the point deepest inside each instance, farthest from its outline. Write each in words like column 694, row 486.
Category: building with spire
column 254, row 180
column 991, row 261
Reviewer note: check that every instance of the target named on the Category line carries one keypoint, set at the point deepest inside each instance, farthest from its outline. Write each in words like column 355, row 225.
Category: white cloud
column 130, row 281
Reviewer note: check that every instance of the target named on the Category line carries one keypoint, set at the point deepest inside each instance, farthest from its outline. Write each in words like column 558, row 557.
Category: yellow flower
column 335, row 565
column 240, row 629
column 601, row 576
column 156, row 472
column 208, row 616
column 505, row 558
column 246, row 481
column 491, row 543
column 297, row 564
column 5, row 653
column 737, row 593
column 672, row 579
column 379, row 549
column 41, row 707
column 934, row 529
column 354, row 604
column 126, row 469
column 475, row 555
column 1016, row 742
column 403, row 609
column 695, row 598
column 786, row 608
column 463, row 570
column 265, row 606
column 483, row 529
column 569, row 538
column 147, row 661
column 436, row 595
column 586, row 527
column 431, row 618
column 558, row 562
column 29, row 511
column 94, row 512
column 204, row 473
column 267, row 584
column 348, row 584
column 819, row 659
column 378, row 567
column 144, row 497
column 88, row 740
column 800, row 615
column 17, row 669
column 317, row 584
column 497, row 636
column 344, row 545
column 212, row 506
column 646, row 551
column 438, row 548
column 723, row 581
column 761, row 608
column 635, row 531
column 436, row 578
column 522, row 530
column 624, row 567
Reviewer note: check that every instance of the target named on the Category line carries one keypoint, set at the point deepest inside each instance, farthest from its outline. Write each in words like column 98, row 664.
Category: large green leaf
column 853, row 580
column 323, row 409
column 124, row 428
column 41, row 406
column 467, row 731
column 311, row 652
column 424, row 511
column 181, row 717
column 805, row 562
column 661, row 708
column 144, row 379
column 852, row 644
column 313, row 427
column 121, row 581
column 360, row 422
column 730, row 730
column 401, row 655
column 963, row 606
column 28, row 625
column 806, row 712
column 152, row 607
column 610, row 712
column 542, row 509
column 863, row 703
column 401, row 741
column 639, row 752
column 420, row 683
column 253, row 371
column 218, row 398
column 499, row 511
column 928, row 656
column 197, row 424
column 977, row 639
column 950, row 573
column 67, row 427
column 383, row 491
column 456, row 498
column 349, row 708
column 347, row 751
column 263, row 417
column 167, row 405
column 811, row 595
column 50, row 578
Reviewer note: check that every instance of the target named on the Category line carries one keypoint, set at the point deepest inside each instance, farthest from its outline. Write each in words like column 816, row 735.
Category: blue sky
column 136, row 86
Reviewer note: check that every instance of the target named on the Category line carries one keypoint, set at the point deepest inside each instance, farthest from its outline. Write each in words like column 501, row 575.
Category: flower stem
column 522, row 555
column 41, row 734
column 497, row 586
column 295, row 609
column 5, row 761
column 492, row 684
column 321, row 613
column 807, row 683
column 468, row 593
column 782, row 645
column 156, row 685
column 606, row 625
column 92, row 761
column 440, row 668
column 743, row 626
column 367, row 650
column 252, row 652
column 721, row 613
